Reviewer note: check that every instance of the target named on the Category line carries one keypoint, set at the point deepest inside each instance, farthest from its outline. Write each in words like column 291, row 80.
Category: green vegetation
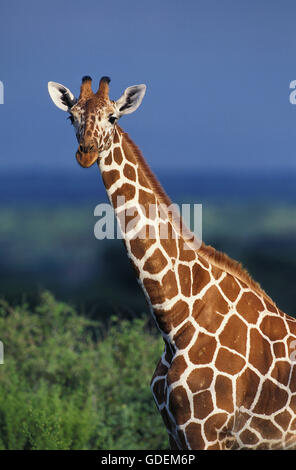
column 69, row 383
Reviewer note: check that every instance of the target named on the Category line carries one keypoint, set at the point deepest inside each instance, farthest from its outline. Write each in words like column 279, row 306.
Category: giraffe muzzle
column 86, row 148
column 87, row 155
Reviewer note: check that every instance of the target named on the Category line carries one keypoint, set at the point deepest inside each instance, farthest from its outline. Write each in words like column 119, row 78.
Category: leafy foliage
column 69, row 383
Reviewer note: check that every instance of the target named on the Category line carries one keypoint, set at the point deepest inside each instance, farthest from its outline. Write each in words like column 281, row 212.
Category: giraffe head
column 94, row 115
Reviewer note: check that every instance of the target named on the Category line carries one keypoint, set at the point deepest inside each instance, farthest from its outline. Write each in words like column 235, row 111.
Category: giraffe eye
column 112, row 119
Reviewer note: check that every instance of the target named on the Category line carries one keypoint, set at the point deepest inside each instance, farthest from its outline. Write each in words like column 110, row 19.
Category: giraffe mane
column 209, row 253
column 233, row 267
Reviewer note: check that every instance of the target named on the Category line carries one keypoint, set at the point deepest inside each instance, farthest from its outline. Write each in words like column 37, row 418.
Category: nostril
column 85, row 148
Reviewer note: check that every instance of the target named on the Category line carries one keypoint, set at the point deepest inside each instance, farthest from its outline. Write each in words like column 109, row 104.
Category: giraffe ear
column 61, row 96
column 131, row 99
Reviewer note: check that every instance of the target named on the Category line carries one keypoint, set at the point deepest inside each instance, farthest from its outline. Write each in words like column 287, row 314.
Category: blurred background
column 216, row 126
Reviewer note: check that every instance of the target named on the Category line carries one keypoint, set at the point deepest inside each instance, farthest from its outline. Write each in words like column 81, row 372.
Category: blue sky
column 217, row 75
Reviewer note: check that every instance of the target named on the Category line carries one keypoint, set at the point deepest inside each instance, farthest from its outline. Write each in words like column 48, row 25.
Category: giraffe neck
column 152, row 238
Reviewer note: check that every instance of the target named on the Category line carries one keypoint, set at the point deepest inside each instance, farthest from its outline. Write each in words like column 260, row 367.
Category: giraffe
column 227, row 376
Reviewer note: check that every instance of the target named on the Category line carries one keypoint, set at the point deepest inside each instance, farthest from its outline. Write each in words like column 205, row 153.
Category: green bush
column 69, row 383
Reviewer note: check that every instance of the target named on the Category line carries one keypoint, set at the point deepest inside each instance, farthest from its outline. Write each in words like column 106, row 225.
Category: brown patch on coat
column 154, row 290
column 248, row 438
column 202, row 351
column 229, row 362
column 155, row 263
column 202, row 404
column 260, row 352
column 116, row 138
column 142, row 179
column 176, row 369
column 293, row 379
column 184, row 335
column 271, row 399
column 179, row 405
column 281, row 372
column 129, row 148
column 246, row 388
column 279, row 349
column 126, row 192
column 234, row 335
column 108, row 159
column 161, row 369
column 117, row 155
column 230, row 287
column 249, row 307
column 283, row 419
column 266, row 428
column 185, row 279
column 128, row 219
column 209, row 311
column 168, row 242
column 200, row 278
column 205, row 317
column 213, row 425
column 273, row 327
column 292, row 404
column 223, row 390
column 148, row 204
column 185, row 254
column 129, row 172
column 143, row 241
column 169, row 284
column 110, row 177
column 172, row 317
column 194, row 436
column 200, row 379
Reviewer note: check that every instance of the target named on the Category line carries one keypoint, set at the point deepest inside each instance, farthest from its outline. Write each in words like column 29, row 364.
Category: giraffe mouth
column 87, row 159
